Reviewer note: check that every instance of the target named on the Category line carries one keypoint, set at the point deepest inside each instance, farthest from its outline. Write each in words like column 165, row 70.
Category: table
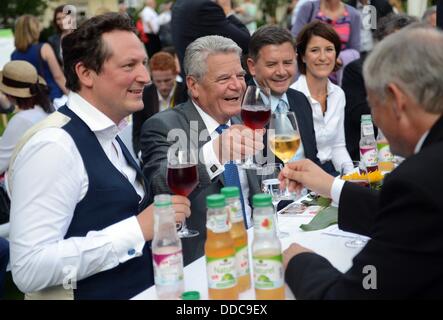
column 331, row 247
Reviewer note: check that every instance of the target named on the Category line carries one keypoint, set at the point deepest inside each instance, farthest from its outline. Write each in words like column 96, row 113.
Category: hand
column 239, row 10
column 305, row 173
column 226, row 5
column 237, row 142
column 293, row 250
column 182, row 208
column 180, row 204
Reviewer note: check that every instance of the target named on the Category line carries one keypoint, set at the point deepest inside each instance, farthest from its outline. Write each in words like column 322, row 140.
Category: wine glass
column 284, row 141
column 355, row 172
column 271, row 185
column 182, row 178
column 255, row 113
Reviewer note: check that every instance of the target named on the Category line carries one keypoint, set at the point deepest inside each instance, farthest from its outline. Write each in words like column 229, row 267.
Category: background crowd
column 102, row 99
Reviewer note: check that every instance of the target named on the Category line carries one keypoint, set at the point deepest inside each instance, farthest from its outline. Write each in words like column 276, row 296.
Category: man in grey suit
column 216, row 83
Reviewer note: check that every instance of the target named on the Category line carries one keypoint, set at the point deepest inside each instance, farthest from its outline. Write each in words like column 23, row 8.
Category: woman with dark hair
column 318, row 46
column 55, row 39
column 41, row 56
column 22, row 85
column 345, row 20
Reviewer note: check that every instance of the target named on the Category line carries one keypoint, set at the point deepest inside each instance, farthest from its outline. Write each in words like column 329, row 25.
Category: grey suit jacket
column 154, row 146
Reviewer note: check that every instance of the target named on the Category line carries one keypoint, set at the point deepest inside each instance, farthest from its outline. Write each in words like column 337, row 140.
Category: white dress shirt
column 149, row 15
column 329, row 127
column 211, row 160
column 16, row 127
column 48, row 181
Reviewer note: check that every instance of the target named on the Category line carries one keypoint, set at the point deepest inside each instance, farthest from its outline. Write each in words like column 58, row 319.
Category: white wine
column 285, row 146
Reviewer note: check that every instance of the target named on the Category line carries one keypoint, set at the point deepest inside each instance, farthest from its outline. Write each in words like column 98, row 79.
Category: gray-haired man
column 405, row 219
column 215, row 79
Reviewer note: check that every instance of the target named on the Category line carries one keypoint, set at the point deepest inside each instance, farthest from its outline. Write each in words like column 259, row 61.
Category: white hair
column 412, row 58
column 196, row 55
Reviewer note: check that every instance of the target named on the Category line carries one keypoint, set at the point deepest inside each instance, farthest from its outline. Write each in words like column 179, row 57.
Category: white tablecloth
column 331, row 247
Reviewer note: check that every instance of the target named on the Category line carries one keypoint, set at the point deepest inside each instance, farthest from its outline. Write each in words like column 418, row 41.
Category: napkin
column 324, row 218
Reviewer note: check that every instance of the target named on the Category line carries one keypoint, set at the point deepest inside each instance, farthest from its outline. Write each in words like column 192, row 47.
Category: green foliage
column 11, row 9
column 322, row 219
column 269, row 7
column 317, row 201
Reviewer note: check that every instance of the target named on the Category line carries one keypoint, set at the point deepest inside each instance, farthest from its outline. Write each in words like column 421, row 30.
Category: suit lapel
column 191, row 114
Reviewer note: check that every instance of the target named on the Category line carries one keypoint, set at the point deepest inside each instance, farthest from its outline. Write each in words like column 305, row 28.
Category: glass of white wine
column 284, row 141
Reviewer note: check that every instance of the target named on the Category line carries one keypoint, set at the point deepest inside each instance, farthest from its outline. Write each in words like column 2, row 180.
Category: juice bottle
column 385, row 157
column 240, row 237
column 368, row 145
column 166, row 250
column 220, row 252
column 266, row 252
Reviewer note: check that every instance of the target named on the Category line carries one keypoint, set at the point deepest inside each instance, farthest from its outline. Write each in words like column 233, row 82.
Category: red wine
column 255, row 119
column 182, row 179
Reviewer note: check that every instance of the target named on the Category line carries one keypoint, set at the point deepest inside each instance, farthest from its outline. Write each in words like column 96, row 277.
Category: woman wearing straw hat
column 22, row 85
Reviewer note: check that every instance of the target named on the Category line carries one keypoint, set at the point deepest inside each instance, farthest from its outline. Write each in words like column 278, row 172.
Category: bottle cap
column 190, row 295
column 162, row 200
column 262, row 200
column 215, row 201
column 230, row 192
column 366, row 117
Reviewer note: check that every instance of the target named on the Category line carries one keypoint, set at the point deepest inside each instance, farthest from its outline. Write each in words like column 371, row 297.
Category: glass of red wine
column 255, row 113
column 182, row 178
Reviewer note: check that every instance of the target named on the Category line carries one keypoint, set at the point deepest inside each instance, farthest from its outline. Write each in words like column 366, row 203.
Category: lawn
column 2, row 127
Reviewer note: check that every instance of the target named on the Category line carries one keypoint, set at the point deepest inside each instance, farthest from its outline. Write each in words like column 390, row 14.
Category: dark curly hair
column 86, row 45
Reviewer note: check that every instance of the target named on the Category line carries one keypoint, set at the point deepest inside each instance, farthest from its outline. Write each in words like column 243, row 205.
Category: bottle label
column 368, row 154
column 242, row 260
column 367, row 129
column 235, row 212
column 264, row 224
column 218, row 223
column 221, row 272
column 168, row 268
column 384, row 153
column 268, row 272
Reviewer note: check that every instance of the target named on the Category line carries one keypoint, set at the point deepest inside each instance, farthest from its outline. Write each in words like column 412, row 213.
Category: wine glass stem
column 249, row 160
column 277, row 229
column 287, row 186
column 184, row 228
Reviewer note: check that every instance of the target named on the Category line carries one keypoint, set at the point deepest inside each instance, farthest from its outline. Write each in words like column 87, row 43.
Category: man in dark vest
column 79, row 218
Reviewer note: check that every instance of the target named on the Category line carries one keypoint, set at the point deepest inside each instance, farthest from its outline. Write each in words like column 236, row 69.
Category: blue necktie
column 232, row 178
column 282, row 106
